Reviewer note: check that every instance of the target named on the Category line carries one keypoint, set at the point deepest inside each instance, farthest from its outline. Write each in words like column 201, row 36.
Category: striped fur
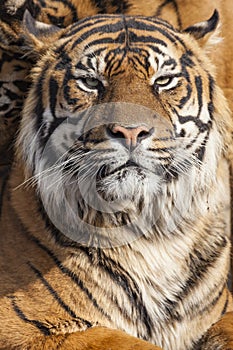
column 15, row 66
column 162, row 277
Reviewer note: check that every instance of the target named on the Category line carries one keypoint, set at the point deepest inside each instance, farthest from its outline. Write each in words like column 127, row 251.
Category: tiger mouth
column 104, row 170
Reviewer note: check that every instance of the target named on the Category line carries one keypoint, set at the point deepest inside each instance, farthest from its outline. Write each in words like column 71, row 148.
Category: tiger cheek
column 74, row 97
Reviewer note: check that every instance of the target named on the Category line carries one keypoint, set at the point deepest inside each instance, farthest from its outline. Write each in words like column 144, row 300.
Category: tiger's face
column 119, row 118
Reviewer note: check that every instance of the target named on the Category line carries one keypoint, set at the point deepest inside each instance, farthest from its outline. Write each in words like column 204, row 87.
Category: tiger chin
column 113, row 224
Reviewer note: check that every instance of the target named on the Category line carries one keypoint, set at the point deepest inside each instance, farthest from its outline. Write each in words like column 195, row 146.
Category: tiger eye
column 163, row 81
column 91, row 83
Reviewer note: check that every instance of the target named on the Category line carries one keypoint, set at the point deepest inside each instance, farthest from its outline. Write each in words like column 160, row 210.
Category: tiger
column 113, row 225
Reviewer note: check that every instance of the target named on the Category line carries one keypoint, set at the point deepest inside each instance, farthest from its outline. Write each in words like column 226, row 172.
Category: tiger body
column 149, row 252
column 51, row 289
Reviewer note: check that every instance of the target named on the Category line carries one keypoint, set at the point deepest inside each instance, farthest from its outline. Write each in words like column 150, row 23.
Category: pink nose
column 131, row 135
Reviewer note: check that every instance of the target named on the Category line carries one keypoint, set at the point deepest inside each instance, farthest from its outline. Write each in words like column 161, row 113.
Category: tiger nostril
column 129, row 136
column 145, row 133
column 115, row 134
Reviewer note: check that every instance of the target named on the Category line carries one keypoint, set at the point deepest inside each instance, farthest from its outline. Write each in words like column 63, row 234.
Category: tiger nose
column 130, row 136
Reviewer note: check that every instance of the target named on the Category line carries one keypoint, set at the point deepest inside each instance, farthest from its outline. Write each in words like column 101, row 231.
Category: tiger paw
column 104, row 338
column 97, row 338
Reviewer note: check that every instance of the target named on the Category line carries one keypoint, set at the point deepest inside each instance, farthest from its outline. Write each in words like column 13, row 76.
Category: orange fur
column 19, row 281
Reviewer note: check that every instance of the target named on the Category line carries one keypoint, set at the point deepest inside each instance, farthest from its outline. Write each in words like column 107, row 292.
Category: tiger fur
column 15, row 67
column 164, row 284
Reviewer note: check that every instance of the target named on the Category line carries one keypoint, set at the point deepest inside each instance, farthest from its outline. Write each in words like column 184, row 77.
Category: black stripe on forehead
column 106, row 29
column 122, row 39
column 108, row 25
column 155, row 25
column 79, row 26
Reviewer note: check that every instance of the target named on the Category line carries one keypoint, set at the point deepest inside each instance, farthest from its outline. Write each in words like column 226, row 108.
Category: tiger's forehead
column 106, row 42
column 123, row 29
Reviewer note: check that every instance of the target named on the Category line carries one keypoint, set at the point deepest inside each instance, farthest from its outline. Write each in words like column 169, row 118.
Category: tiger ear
column 206, row 32
column 37, row 35
column 38, row 29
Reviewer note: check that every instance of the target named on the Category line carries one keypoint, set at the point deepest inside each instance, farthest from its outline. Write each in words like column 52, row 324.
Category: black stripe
column 211, row 92
column 142, row 57
column 186, row 60
column 81, row 66
column 106, row 28
column 114, row 63
column 56, row 20
column 145, row 39
column 122, row 278
column 199, row 89
column 195, row 308
column 132, row 23
column 200, row 151
column 168, row 31
column 186, row 98
column 58, row 263
column 134, row 297
column 63, row 60
column 82, row 24
column 156, row 50
column 215, row 300
column 53, row 126
column 169, row 62
column 65, row 271
column 226, row 304
column 39, row 108
column 106, row 40
column 13, row 114
column 199, row 264
column 141, row 61
column 200, row 261
column 202, row 127
column 53, row 90
column 39, row 325
column 153, row 27
column 89, row 62
column 68, row 76
column 55, row 295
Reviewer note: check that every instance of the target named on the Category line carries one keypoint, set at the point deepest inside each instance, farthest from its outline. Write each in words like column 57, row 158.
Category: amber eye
column 91, row 83
column 163, row 81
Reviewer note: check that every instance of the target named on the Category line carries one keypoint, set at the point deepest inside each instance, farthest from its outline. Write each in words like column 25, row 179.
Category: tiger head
column 124, row 127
